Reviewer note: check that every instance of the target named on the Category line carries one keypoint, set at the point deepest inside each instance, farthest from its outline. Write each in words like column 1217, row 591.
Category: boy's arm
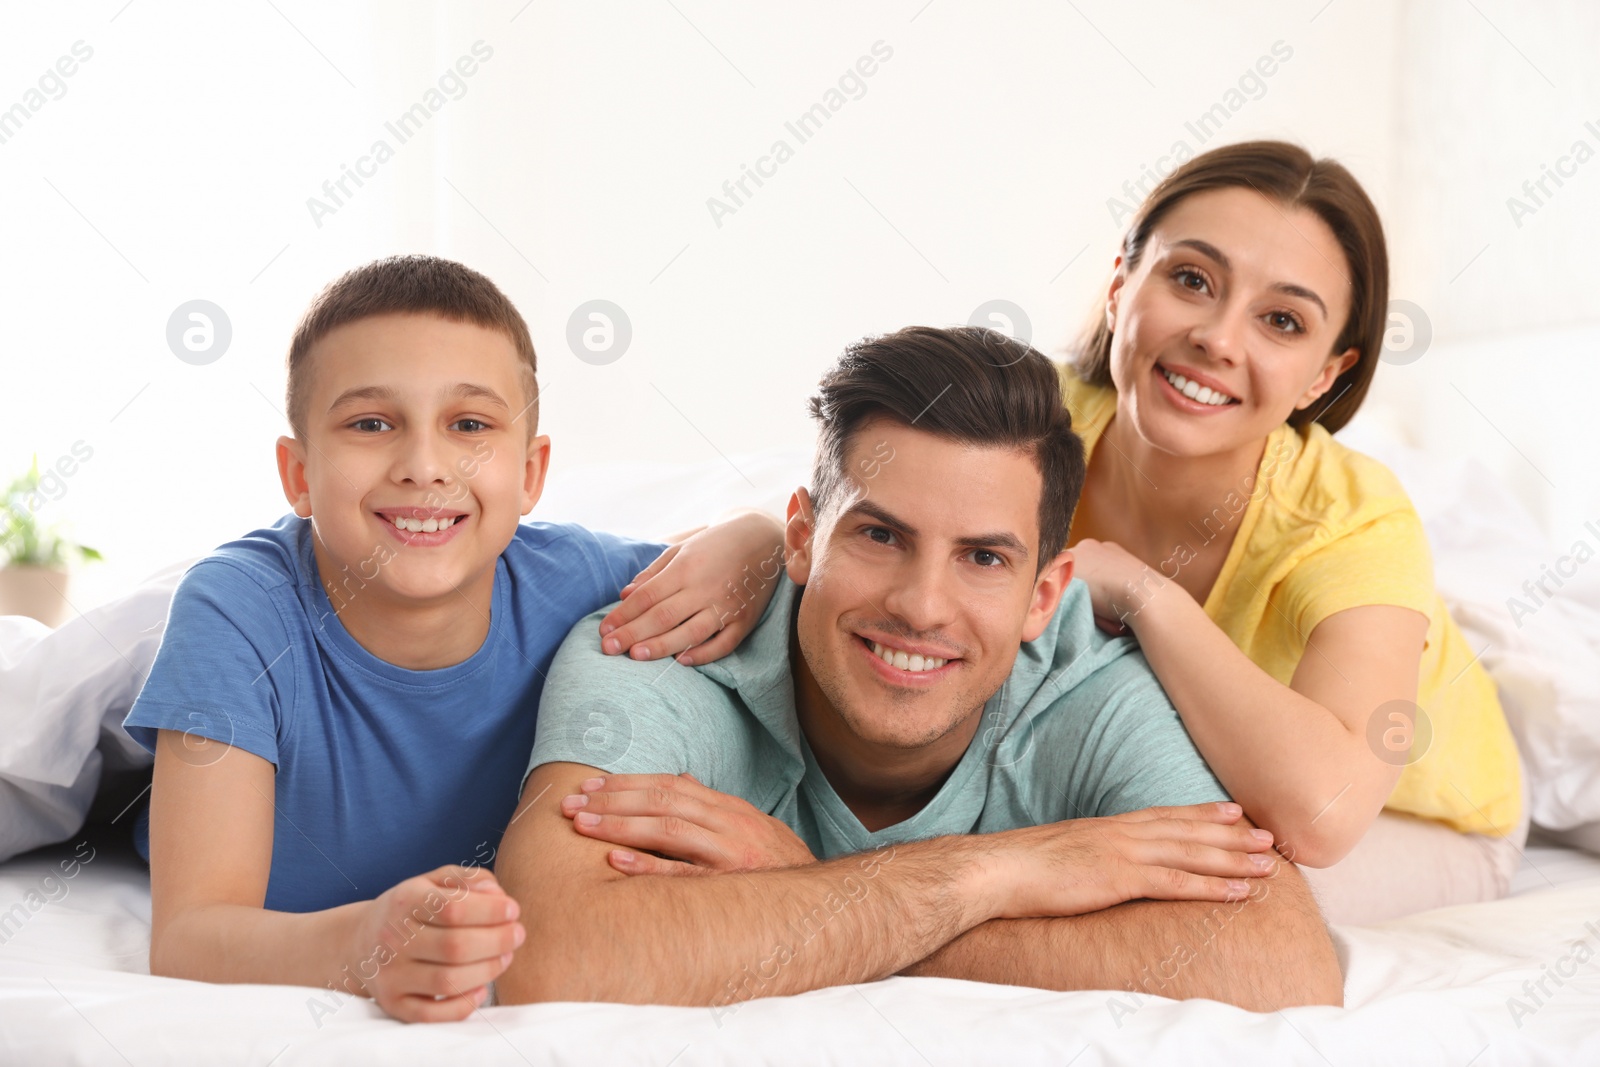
column 597, row 934
column 703, row 594
column 211, row 830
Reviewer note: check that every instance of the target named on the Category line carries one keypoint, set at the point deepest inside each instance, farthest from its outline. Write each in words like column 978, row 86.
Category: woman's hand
column 704, row 593
column 1120, row 583
column 697, row 829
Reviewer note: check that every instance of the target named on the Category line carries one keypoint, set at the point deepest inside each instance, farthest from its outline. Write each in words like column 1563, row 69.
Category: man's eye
column 880, row 535
column 368, row 425
column 987, row 560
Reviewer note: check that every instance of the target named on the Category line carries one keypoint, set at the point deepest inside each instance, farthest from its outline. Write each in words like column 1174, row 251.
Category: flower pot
column 37, row 592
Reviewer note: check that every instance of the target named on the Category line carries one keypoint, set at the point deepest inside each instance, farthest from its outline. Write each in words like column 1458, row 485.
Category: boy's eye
column 369, row 425
column 472, row 425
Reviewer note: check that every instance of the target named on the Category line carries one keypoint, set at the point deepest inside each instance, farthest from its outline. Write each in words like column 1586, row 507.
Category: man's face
column 927, row 557
column 415, row 418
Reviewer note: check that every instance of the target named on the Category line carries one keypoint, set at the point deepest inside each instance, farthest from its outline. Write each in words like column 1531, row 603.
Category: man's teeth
column 1196, row 391
column 424, row 525
column 907, row 661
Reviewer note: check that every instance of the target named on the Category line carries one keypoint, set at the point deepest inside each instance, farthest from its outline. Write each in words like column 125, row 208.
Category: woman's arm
column 703, row 594
column 1297, row 757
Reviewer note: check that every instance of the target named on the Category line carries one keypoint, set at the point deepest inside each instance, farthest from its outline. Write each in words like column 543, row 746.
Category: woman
column 1280, row 584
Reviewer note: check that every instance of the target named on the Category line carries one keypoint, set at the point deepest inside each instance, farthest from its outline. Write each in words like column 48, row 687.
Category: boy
column 343, row 703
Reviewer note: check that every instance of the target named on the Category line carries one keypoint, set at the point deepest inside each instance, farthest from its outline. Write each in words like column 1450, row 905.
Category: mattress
column 1514, row 981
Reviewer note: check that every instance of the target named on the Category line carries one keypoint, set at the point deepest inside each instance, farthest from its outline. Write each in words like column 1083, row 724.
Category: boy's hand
column 427, row 949
column 704, row 594
column 698, row 829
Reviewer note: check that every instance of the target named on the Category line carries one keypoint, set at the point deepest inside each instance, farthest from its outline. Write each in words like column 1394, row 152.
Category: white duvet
column 1456, row 986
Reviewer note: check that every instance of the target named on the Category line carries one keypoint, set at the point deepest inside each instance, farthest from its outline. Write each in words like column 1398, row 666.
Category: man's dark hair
column 965, row 384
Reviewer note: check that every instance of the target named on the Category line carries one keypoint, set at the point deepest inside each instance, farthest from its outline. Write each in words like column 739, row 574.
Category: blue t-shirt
column 383, row 773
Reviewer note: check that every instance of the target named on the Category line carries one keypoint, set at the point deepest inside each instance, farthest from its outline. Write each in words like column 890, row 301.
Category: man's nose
column 923, row 594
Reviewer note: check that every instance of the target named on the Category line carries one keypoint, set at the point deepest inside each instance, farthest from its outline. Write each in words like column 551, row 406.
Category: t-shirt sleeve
column 1382, row 562
column 614, row 560
column 225, row 669
column 627, row 716
column 1119, row 746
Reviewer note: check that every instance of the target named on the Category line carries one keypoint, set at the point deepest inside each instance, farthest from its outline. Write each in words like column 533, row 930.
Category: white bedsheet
column 1437, row 988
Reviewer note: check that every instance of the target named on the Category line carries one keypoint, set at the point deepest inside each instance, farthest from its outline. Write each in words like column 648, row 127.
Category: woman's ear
column 1335, row 366
column 1119, row 278
column 798, row 530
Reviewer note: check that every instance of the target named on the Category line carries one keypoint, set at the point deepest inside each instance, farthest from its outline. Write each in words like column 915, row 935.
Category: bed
column 1514, row 981
column 1445, row 987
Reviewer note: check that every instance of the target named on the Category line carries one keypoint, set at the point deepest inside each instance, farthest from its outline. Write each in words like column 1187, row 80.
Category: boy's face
column 412, row 417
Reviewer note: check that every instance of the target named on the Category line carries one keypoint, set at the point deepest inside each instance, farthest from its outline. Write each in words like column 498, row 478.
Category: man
column 915, row 763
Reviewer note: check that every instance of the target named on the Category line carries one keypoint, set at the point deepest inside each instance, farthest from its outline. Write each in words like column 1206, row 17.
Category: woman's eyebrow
column 1206, row 248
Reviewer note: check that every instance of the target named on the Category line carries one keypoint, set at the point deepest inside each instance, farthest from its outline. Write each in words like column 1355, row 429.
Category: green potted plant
column 33, row 580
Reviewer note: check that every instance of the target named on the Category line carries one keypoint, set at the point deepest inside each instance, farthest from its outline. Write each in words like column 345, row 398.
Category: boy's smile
column 417, row 468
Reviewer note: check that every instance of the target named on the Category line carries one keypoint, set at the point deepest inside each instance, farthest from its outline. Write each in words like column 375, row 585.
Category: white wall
column 978, row 164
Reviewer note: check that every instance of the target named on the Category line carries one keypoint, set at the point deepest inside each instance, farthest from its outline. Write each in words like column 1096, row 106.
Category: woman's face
column 1227, row 325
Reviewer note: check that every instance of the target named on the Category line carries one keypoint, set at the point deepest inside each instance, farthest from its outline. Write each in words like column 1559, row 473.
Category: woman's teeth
column 907, row 661
column 424, row 525
column 1196, row 391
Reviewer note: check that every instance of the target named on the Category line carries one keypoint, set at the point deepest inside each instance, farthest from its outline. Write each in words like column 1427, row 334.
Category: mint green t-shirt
column 1081, row 728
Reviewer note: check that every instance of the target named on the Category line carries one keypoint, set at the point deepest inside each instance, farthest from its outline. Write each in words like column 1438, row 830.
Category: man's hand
column 427, row 949
column 703, row 594
column 697, row 829
column 1197, row 852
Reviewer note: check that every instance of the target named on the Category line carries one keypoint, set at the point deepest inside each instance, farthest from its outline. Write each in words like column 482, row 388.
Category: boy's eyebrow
column 1206, row 248
column 1000, row 539
column 460, row 391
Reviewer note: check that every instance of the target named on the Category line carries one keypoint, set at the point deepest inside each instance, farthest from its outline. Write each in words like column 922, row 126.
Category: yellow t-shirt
column 1322, row 528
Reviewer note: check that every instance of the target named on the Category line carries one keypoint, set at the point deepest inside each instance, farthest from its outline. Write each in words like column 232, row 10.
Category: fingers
column 459, row 948
column 657, row 565
column 1185, row 854
column 1225, row 811
column 677, row 785
column 674, row 624
column 644, row 863
column 1166, row 883
column 423, row 1008
column 720, row 643
column 675, row 837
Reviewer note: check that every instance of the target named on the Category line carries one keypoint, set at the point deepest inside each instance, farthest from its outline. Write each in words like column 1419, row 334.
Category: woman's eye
column 1191, row 280
column 368, row 425
column 1284, row 322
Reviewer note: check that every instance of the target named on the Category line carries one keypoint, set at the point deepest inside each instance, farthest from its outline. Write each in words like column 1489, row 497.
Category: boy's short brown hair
column 412, row 284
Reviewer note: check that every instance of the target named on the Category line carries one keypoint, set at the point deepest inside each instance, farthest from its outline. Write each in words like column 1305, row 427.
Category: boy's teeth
column 1196, row 391
column 423, row 525
column 907, row 661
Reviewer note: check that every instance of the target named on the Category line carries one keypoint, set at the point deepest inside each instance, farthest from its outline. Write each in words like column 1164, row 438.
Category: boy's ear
column 534, row 470
column 292, row 472
column 798, row 530
column 1047, row 591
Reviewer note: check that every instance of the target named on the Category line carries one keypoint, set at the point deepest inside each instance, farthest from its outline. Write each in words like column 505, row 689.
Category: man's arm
column 597, row 934
column 1265, row 952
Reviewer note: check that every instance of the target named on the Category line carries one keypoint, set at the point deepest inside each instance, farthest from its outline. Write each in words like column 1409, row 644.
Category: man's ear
column 1335, row 366
column 1047, row 591
column 798, row 530
column 292, row 473
column 536, row 466
column 1119, row 278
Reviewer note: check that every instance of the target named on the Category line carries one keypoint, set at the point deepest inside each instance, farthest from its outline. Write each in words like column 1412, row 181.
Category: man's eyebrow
column 1000, row 539
column 1206, row 248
